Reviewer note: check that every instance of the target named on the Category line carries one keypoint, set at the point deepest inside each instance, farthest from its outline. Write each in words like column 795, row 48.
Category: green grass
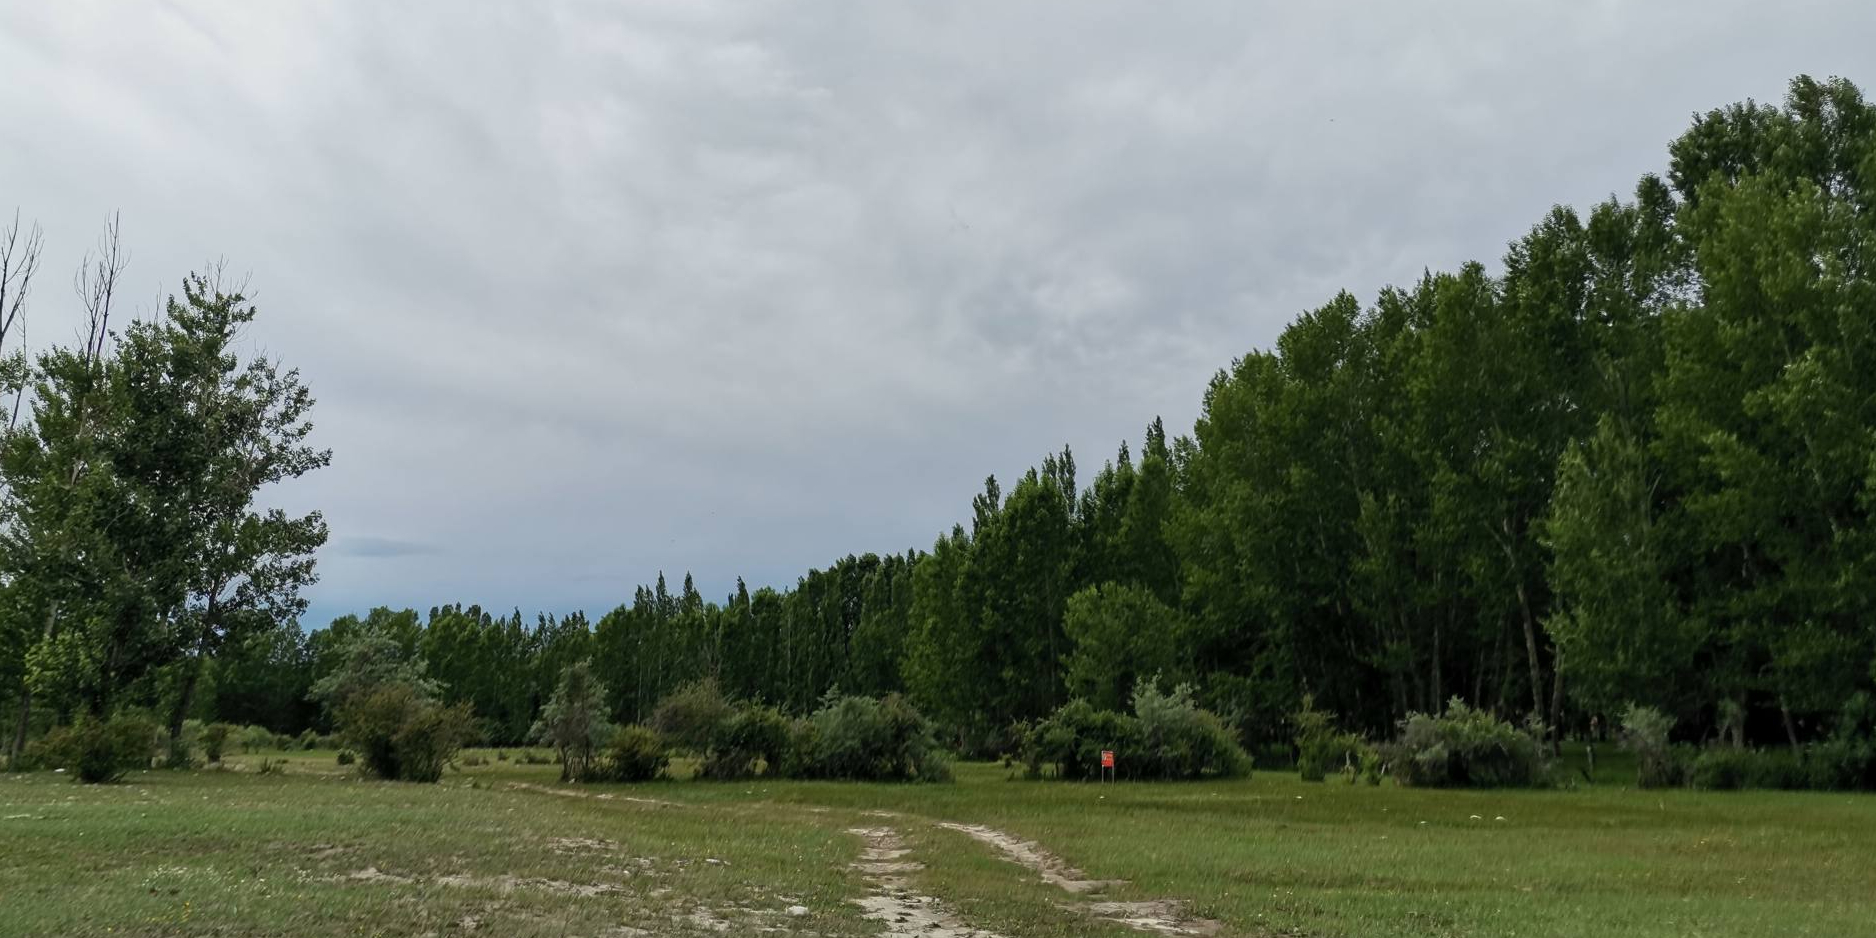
column 238, row 853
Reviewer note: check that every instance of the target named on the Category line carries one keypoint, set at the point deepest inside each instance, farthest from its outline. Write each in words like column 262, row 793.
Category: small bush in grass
column 501, row 755
column 271, row 766
column 751, row 735
column 215, row 737
column 97, row 751
column 1464, row 747
column 182, row 747
column 347, row 757
column 472, row 760
column 400, row 733
column 690, row 716
column 1322, row 748
column 1725, row 768
column 872, row 740
column 1072, row 738
column 633, row 754
column 530, row 757
column 309, row 740
column 256, row 739
column 1179, row 740
column 284, row 741
column 1645, row 733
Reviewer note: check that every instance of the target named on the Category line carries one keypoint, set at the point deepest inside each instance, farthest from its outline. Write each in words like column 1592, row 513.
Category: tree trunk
column 1556, row 700
column 19, row 732
column 1791, row 732
column 186, row 696
column 1530, row 651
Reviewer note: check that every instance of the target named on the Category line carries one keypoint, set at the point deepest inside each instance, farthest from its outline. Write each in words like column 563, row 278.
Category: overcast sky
column 590, row 290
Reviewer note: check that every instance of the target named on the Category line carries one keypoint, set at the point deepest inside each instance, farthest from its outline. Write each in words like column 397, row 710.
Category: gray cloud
column 590, row 290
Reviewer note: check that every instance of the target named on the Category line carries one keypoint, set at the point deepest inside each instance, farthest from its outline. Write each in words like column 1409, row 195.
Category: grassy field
column 500, row 849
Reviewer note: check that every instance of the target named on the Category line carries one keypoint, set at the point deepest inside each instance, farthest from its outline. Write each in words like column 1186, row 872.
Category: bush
column 690, row 716
column 752, row 735
column 256, row 739
column 347, row 757
column 1645, row 733
column 873, row 740
column 1465, row 748
column 99, row 751
column 310, row 740
column 183, row 746
column 1725, row 768
column 1180, row 740
column 215, row 738
column 1321, row 748
column 400, row 733
column 1072, row 738
column 1846, row 761
column 1168, row 737
column 634, row 754
column 530, row 757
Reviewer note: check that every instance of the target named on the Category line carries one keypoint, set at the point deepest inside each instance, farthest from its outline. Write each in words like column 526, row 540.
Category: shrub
column 1072, row 738
column 310, row 739
column 634, row 754
column 1464, row 747
column 1169, row 736
column 1179, row 740
column 284, row 741
column 867, row 739
column 1846, row 760
column 690, row 716
column 99, row 751
column 530, row 757
column 215, row 738
column 1322, row 748
column 1725, row 768
column 399, row 733
column 256, row 739
column 752, row 734
column 271, row 767
column 1645, row 733
column 347, row 757
column 183, row 745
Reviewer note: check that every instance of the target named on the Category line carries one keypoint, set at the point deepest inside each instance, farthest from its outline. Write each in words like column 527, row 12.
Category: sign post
column 1107, row 765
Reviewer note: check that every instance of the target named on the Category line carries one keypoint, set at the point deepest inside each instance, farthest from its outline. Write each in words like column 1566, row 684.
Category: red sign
column 1107, row 758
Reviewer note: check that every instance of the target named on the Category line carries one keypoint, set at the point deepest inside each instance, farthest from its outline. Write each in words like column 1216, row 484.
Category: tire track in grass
column 905, row 913
column 1156, row 916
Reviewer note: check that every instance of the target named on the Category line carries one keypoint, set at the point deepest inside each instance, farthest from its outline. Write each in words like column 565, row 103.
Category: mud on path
column 1156, row 916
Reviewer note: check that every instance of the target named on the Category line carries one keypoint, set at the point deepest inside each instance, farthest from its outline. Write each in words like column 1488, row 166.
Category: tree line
column 1634, row 465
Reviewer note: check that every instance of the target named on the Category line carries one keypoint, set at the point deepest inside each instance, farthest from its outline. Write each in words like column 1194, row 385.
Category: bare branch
column 18, row 262
column 96, row 284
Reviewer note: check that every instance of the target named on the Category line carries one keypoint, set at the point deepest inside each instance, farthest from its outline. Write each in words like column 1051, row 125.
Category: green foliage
column 691, row 716
column 215, row 737
column 868, row 739
column 1464, row 747
column 310, row 739
column 347, row 757
column 97, row 751
column 751, row 737
column 1645, row 733
column 1168, row 736
column 1322, row 749
column 401, row 734
column 1122, row 635
column 634, row 754
column 1179, row 740
column 574, row 721
column 1725, row 768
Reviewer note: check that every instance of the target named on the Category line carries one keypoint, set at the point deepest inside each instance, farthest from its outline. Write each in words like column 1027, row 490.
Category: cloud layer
column 589, row 290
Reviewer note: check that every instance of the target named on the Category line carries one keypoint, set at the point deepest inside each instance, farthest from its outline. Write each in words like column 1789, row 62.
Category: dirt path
column 1157, row 916
column 905, row 913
